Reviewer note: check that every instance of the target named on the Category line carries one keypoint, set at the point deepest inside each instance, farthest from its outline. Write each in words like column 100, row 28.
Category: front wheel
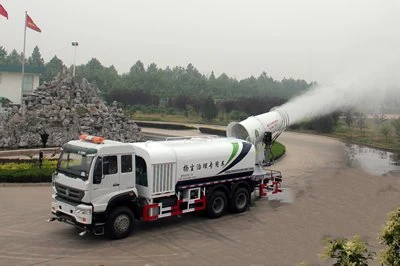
column 216, row 205
column 120, row 223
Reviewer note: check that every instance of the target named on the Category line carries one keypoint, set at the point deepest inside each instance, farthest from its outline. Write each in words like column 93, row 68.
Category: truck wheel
column 240, row 200
column 120, row 223
column 216, row 205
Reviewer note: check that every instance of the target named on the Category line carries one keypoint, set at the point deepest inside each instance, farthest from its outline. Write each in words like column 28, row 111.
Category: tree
column 152, row 68
column 138, row 67
column 112, row 80
column 390, row 238
column 94, row 65
column 95, row 73
column 3, row 55
column 325, row 124
column 396, row 125
column 386, row 131
column 14, row 58
column 349, row 118
column 52, row 68
column 36, row 58
column 347, row 252
column 361, row 120
column 212, row 76
column 208, row 109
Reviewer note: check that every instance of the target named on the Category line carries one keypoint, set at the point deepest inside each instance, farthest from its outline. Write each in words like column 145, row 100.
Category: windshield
column 75, row 164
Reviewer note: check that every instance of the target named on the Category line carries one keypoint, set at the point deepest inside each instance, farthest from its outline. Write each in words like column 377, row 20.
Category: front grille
column 69, row 193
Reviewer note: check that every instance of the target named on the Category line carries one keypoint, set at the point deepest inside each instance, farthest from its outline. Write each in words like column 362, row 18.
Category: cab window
column 141, row 171
column 110, row 165
column 126, row 163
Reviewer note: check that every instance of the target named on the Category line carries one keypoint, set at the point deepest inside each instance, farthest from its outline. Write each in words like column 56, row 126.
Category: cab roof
column 108, row 147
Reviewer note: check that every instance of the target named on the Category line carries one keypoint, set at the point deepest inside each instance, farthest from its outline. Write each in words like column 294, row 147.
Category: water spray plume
column 367, row 93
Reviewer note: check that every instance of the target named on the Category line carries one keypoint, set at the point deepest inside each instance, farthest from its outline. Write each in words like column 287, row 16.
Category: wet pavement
column 374, row 161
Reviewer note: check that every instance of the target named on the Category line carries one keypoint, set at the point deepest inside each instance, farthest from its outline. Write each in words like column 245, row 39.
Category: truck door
column 127, row 177
column 106, row 179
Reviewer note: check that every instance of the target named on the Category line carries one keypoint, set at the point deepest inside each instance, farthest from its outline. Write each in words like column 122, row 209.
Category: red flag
column 30, row 24
column 3, row 11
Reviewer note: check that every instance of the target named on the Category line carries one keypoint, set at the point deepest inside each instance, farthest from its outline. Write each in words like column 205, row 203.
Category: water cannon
column 260, row 130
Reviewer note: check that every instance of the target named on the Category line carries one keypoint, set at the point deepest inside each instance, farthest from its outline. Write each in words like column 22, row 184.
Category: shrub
column 390, row 238
column 27, row 171
column 347, row 252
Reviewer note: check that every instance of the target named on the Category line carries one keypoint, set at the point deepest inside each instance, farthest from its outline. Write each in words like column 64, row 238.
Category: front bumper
column 78, row 214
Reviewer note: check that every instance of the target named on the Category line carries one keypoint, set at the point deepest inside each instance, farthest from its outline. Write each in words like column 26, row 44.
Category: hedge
column 26, row 171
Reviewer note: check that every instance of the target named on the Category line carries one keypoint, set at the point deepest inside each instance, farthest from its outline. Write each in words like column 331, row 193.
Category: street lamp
column 74, row 44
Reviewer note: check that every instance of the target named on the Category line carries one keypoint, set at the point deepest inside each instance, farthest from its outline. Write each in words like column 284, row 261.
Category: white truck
column 102, row 186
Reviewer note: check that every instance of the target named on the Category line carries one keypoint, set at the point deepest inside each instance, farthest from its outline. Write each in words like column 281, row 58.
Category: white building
column 10, row 81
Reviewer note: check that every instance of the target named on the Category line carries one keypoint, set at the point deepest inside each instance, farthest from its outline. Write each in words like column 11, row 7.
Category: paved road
column 329, row 198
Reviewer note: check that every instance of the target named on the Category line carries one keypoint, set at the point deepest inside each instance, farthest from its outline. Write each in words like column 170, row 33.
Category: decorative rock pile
column 64, row 109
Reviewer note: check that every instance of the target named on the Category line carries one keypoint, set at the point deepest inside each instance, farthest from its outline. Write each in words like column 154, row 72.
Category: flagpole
column 23, row 61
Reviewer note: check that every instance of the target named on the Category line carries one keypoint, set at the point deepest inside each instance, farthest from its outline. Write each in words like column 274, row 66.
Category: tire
column 120, row 223
column 240, row 200
column 216, row 205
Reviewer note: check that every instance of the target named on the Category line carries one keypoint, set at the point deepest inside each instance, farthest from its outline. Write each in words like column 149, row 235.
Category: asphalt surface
column 324, row 197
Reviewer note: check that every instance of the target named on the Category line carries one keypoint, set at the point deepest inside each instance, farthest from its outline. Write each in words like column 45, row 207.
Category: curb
column 24, row 184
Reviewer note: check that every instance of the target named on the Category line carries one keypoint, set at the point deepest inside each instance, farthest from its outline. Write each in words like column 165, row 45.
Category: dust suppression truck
column 102, row 186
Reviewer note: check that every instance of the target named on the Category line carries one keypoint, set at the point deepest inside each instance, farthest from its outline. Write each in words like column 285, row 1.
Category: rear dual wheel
column 216, row 205
column 240, row 200
column 217, row 202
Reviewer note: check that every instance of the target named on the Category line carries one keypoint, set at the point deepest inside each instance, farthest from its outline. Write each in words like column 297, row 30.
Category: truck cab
column 92, row 173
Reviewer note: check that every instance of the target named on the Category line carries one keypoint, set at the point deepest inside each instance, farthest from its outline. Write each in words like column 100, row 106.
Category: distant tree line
column 177, row 89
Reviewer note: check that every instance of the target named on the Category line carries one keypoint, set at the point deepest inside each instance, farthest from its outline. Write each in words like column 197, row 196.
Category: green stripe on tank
column 234, row 151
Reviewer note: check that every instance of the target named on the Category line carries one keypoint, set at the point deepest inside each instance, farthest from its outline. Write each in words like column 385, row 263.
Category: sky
column 314, row 40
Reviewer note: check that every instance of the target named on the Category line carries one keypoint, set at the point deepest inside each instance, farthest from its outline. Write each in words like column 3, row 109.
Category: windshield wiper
column 70, row 174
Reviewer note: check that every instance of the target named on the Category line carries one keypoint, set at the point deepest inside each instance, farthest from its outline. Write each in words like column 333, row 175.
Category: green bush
column 27, row 172
column 347, row 252
column 390, row 238
column 4, row 102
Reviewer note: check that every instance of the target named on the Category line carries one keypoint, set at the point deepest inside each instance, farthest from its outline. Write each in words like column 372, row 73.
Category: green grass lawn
column 278, row 149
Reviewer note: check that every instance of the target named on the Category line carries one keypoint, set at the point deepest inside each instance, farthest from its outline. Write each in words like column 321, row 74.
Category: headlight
column 83, row 211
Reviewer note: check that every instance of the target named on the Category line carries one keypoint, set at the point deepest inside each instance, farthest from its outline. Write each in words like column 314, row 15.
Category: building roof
column 18, row 69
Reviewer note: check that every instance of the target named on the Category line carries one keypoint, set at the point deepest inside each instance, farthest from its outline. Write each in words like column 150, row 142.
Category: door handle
column 115, row 185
